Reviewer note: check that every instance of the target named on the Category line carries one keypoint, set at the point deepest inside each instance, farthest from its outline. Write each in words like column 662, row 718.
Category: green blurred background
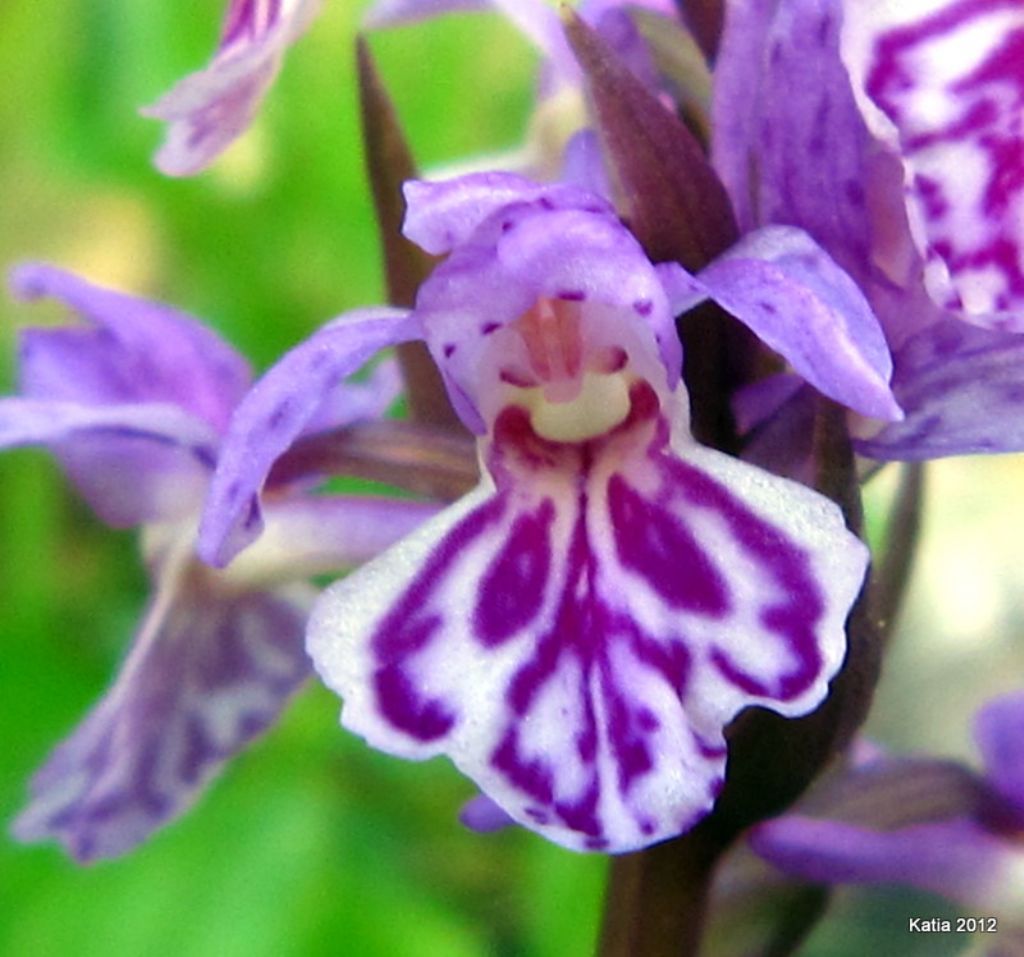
column 310, row 843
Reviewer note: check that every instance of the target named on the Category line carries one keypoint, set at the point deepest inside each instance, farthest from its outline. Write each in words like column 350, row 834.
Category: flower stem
column 656, row 898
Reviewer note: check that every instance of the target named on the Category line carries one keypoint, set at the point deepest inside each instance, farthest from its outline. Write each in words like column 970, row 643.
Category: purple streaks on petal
column 651, row 542
column 512, row 591
column 796, row 613
column 957, row 126
column 182, row 705
column 407, row 709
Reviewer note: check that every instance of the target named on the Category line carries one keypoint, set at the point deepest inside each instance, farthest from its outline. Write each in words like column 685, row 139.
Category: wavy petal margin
column 577, row 635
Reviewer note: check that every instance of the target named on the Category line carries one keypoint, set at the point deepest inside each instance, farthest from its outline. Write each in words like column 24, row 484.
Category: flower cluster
column 593, row 631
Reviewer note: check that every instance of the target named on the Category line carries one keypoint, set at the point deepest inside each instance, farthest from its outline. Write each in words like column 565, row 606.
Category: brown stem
column 389, row 164
column 656, row 898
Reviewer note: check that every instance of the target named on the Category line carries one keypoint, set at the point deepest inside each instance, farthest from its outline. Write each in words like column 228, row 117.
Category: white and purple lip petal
column 577, row 634
column 209, row 109
column 942, row 81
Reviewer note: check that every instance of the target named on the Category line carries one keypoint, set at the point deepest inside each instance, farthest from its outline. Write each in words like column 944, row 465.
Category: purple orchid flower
column 134, row 403
column 931, row 824
column 849, row 120
column 208, row 110
column 577, row 632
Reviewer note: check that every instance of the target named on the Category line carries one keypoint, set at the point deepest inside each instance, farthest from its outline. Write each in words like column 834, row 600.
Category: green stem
column 902, row 535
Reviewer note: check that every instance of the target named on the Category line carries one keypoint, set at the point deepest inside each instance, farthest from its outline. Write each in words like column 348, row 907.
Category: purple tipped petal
column 999, row 731
column 577, row 637
column 209, row 109
column 132, row 350
column 277, row 411
column 962, row 389
column 782, row 285
column 958, row 859
column 132, row 463
column 206, row 676
column 942, row 81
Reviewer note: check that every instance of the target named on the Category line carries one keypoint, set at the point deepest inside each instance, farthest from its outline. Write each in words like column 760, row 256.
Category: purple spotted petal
column 577, row 636
column 207, row 674
column 130, row 350
column 538, row 250
column 277, row 410
column 359, row 401
column 782, row 285
column 999, row 731
column 958, row 858
column 942, row 81
column 962, row 389
column 133, row 463
column 446, row 213
column 209, row 109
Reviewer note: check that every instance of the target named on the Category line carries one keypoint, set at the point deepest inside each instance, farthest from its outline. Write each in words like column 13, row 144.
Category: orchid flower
column 854, row 122
column 934, row 825
column 577, row 632
column 134, row 402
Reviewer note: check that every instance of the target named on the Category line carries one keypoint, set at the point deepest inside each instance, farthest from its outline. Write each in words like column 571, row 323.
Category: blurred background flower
column 311, row 843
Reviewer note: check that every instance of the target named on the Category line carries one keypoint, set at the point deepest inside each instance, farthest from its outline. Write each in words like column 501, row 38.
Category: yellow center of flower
column 579, row 393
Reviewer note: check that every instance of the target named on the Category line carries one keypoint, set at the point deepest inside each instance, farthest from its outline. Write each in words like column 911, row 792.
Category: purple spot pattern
column 612, row 611
column 967, row 159
column 205, row 677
